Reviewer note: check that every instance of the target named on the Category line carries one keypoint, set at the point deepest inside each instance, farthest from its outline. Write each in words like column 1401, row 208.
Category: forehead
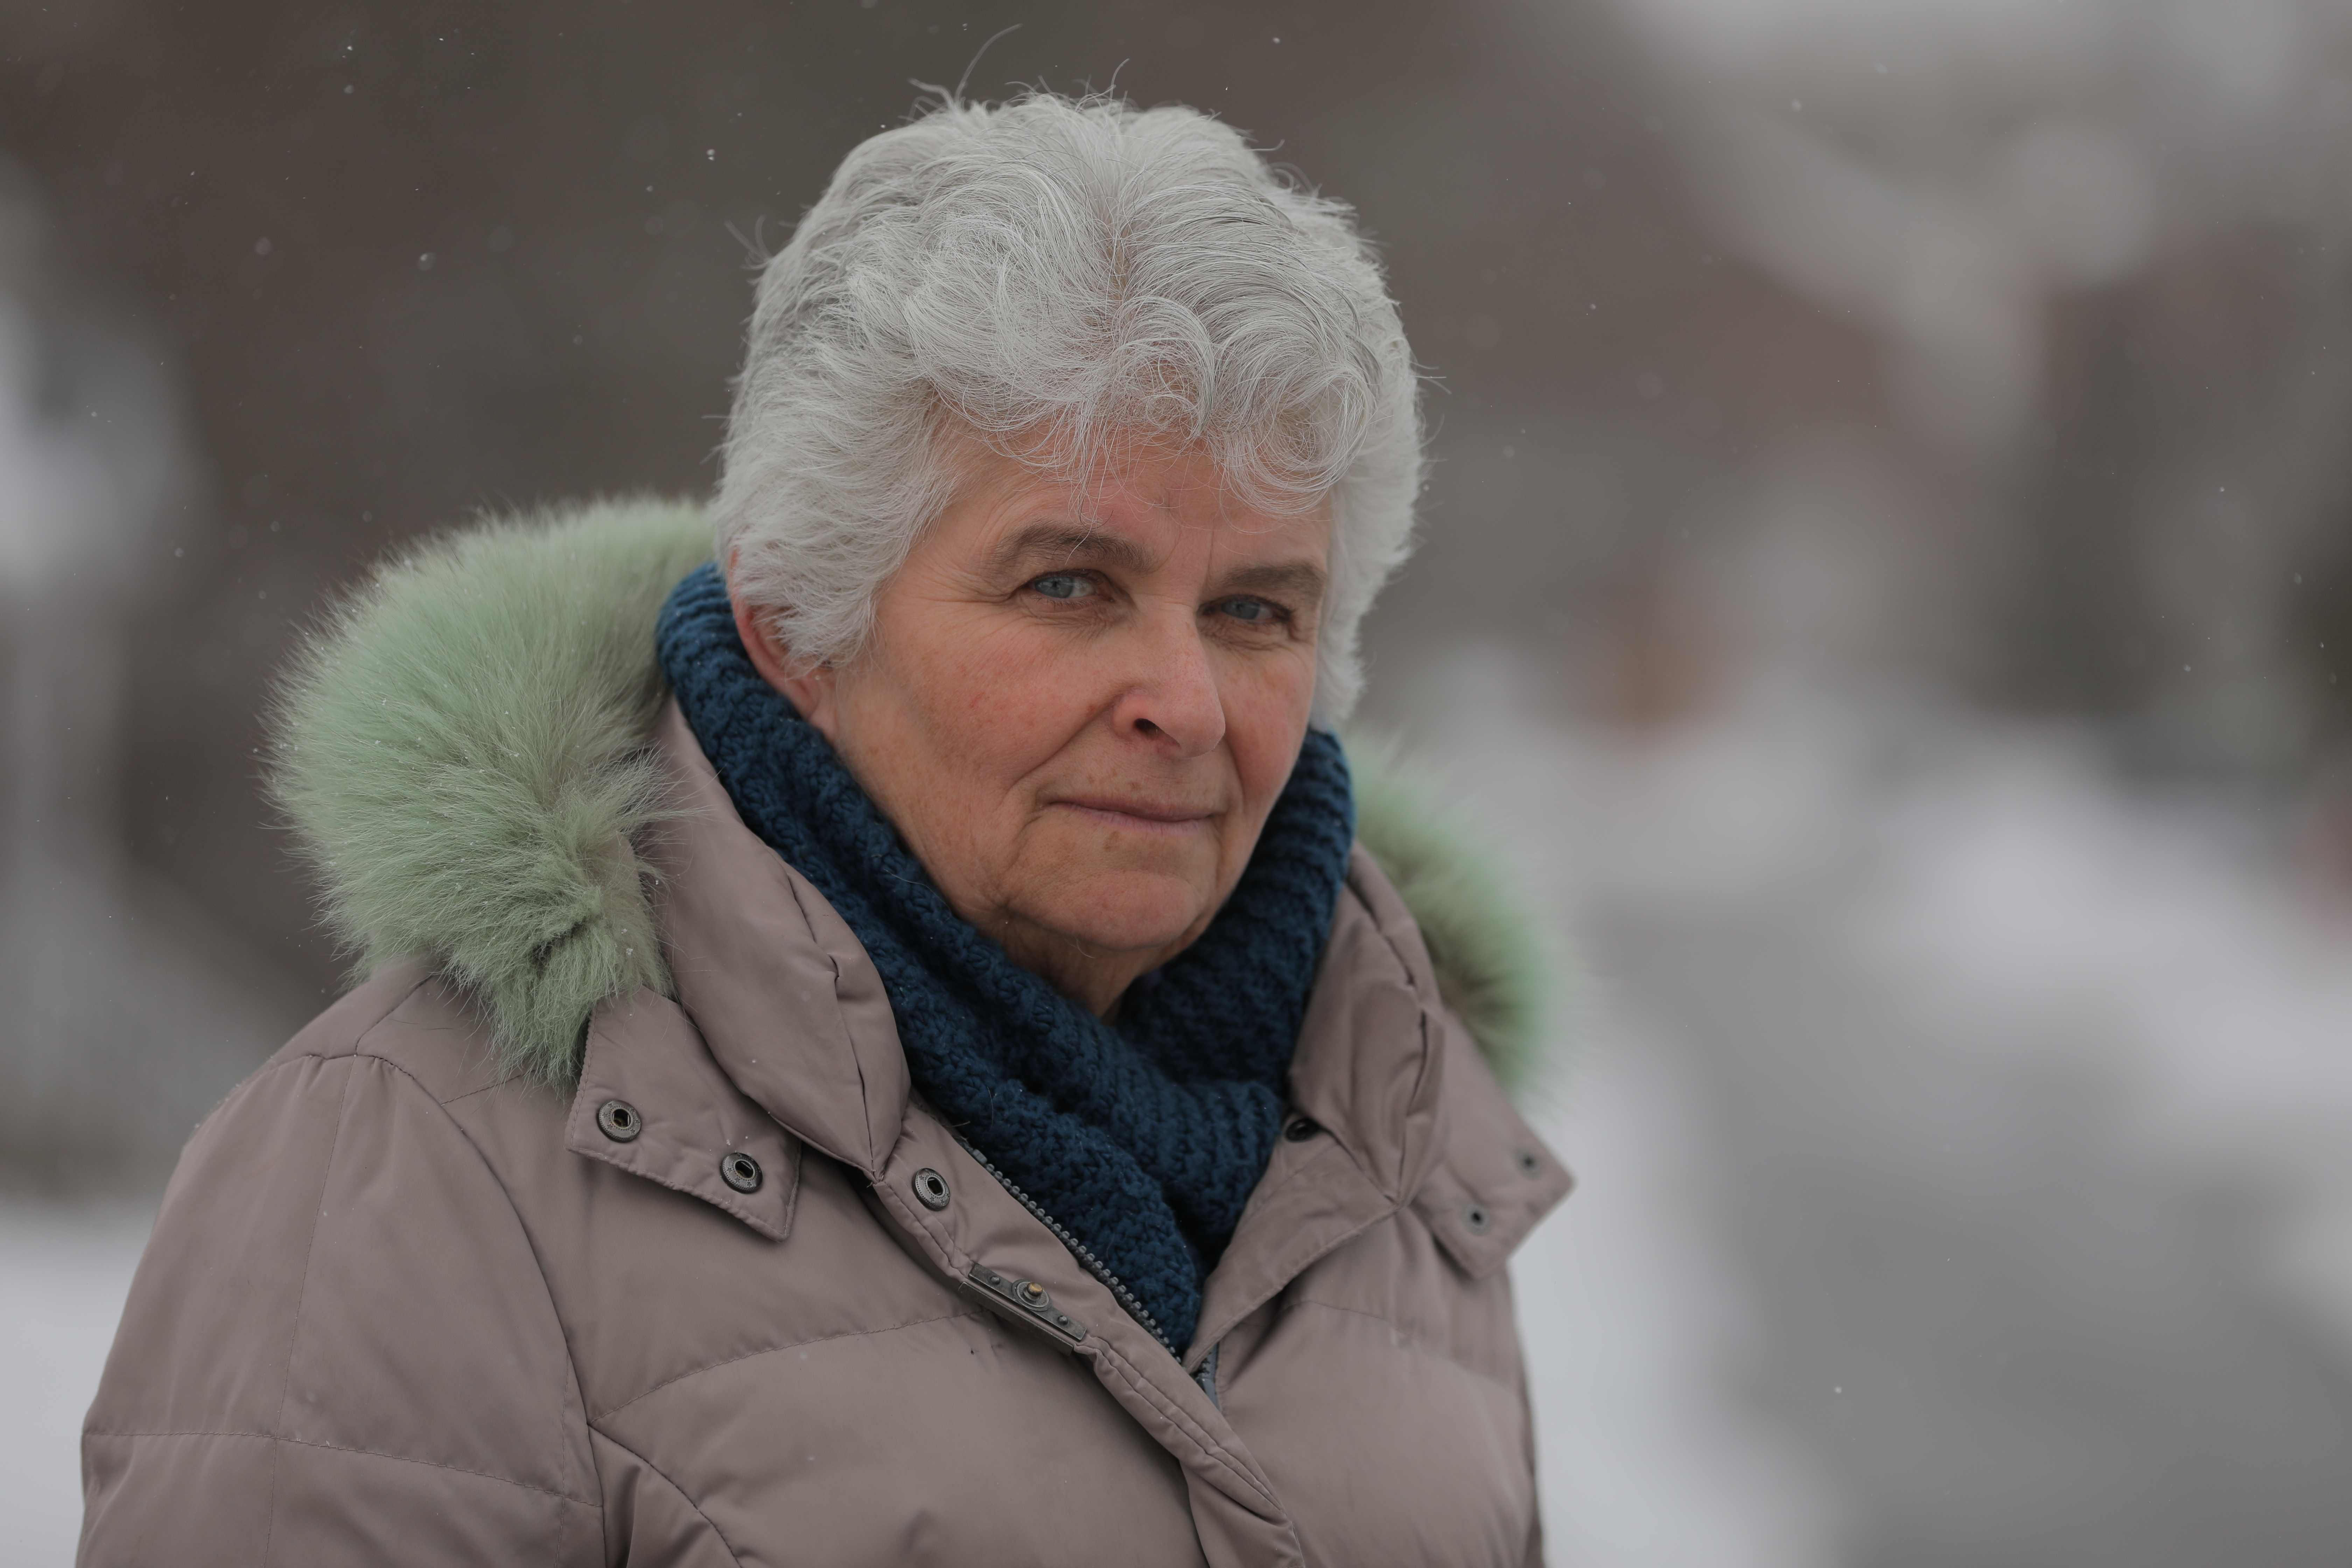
column 1136, row 495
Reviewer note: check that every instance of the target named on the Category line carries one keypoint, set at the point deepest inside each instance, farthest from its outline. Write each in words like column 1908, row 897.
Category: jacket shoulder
column 339, row 1331
column 413, row 1017
column 1493, row 1178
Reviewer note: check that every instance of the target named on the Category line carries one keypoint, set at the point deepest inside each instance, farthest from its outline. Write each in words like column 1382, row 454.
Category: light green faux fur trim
column 1499, row 964
column 461, row 750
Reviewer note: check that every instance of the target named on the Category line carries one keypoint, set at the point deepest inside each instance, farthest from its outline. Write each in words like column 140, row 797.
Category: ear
column 808, row 687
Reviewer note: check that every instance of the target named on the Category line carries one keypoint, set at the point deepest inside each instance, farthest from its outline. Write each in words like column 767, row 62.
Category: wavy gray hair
column 1079, row 270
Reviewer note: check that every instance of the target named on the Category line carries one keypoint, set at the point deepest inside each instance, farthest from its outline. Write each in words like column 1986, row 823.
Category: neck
column 1095, row 978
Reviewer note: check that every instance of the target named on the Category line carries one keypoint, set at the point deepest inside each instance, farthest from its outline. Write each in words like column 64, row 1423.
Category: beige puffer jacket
column 738, row 1297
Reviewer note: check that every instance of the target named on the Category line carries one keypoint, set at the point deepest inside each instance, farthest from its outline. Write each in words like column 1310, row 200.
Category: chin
column 1126, row 914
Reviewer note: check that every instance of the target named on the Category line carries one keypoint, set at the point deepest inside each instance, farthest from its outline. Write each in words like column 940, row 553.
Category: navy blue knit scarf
column 1143, row 1139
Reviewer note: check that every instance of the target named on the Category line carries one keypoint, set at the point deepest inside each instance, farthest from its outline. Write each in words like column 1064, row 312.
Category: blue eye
column 1063, row 586
column 1251, row 610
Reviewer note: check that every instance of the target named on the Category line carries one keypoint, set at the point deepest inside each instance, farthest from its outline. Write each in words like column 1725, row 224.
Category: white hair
column 1078, row 269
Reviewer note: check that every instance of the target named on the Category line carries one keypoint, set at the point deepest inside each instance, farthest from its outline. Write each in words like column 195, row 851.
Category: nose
column 1173, row 700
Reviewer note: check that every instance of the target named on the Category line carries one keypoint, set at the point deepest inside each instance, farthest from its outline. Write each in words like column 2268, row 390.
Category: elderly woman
column 883, row 1047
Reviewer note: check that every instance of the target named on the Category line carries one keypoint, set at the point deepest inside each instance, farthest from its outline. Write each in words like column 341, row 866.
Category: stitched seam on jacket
column 1395, row 952
column 684, row 1496
column 772, row 1350
column 362, row 1453
column 795, row 1153
column 865, row 1089
column 1431, row 1051
column 1416, row 1341
column 271, row 1068
column 301, row 1297
column 471, row 1092
column 732, row 1211
column 358, row 1039
column 570, row 1360
column 1320, row 1253
column 1174, row 1413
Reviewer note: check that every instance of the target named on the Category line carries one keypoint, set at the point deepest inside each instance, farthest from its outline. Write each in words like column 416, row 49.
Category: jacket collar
column 791, row 1008
column 653, row 1101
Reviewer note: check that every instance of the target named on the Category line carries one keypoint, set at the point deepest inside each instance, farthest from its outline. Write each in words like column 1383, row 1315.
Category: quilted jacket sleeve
column 338, row 1349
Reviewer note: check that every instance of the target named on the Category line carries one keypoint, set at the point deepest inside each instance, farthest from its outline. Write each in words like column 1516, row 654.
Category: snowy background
column 1964, row 1159
column 1887, row 577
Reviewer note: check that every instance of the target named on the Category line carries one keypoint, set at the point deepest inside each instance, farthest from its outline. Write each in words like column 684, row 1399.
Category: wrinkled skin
column 1081, row 702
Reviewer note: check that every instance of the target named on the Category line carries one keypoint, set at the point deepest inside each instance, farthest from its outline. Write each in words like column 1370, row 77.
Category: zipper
column 1079, row 1250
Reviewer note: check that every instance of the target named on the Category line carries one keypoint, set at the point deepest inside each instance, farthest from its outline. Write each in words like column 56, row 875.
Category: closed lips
column 1138, row 813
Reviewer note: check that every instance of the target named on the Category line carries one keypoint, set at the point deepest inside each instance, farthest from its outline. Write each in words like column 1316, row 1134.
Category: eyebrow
column 1291, row 580
column 1063, row 544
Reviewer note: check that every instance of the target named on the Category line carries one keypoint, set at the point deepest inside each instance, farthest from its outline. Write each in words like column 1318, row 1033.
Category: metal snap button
column 1032, row 1295
column 740, row 1171
column 1529, row 1164
column 620, row 1120
column 1477, row 1218
column 1300, row 1129
column 932, row 1188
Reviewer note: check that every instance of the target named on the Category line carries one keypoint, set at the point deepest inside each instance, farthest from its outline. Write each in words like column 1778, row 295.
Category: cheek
column 1266, row 708
column 989, row 703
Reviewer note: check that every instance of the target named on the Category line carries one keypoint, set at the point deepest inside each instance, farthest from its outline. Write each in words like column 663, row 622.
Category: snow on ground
column 2216, row 990
column 1638, row 1334
column 2160, row 946
column 67, row 1271
column 1962, row 1130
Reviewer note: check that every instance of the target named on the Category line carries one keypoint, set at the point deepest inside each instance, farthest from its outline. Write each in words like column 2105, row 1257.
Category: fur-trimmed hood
column 461, row 749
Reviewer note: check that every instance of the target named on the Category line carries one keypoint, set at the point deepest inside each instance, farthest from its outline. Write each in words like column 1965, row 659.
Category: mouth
column 1141, row 816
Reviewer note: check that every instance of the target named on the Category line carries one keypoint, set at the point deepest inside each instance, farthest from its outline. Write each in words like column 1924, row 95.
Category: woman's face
column 1079, row 705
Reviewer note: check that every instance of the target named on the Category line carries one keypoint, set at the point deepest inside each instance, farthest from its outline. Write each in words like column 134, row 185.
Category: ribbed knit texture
column 1143, row 1140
